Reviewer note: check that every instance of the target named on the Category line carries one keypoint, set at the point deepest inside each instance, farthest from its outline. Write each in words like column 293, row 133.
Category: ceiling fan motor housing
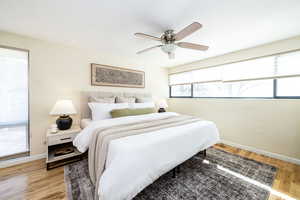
column 168, row 37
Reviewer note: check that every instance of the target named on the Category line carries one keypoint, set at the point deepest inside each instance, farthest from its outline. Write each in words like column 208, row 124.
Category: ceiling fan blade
column 148, row 49
column 188, row 45
column 143, row 35
column 188, row 30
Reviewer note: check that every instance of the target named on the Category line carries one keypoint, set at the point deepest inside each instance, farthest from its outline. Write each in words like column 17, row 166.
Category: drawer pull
column 68, row 138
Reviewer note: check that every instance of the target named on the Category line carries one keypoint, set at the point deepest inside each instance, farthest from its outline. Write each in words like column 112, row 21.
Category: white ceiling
column 108, row 26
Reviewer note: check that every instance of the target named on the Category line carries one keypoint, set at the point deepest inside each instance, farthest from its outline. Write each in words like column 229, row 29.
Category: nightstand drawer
column 60, row 139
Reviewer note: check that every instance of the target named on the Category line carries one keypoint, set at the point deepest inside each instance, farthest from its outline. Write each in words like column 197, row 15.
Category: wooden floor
column 32, row 181
column 287, row 180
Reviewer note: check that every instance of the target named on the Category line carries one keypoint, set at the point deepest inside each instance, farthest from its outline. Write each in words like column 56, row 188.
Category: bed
column 150, row 145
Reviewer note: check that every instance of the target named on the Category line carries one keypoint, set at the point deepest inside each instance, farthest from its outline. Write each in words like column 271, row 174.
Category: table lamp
column 63, row 108
column 162, row 104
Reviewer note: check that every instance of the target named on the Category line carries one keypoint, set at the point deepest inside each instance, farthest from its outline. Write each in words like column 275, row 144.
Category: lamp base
column 161, row 110
column 64, row 122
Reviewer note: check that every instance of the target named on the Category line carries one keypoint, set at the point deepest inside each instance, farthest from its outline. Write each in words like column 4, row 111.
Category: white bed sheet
column 136, row 161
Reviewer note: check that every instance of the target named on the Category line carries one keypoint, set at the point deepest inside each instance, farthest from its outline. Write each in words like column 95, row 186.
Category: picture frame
column 105, row 75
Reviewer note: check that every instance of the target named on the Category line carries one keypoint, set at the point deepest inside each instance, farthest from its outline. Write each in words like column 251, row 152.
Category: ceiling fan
column 169, row 38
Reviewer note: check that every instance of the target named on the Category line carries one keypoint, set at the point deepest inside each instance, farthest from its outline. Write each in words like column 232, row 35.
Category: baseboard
column 16, row 161
column 263, row 152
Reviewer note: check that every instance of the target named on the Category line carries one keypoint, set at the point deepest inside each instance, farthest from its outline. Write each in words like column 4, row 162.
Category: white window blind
column 248, row 70
column 213, row 74
column 180, row 78
column 13, row 86
column 272, row 67
column 197, row 76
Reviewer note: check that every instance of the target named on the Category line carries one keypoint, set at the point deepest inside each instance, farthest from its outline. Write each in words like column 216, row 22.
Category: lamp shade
column 63, row 107
column 162, row 103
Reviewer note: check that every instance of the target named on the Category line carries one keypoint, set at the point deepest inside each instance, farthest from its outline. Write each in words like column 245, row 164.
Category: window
column 288, row 64
column 288, row 87
column 208, row 90
column 181, row 90
column 262, row 88
column 275, row 76
column 13, row 102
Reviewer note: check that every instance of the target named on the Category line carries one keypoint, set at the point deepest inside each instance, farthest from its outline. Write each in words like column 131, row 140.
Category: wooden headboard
column 85, row 95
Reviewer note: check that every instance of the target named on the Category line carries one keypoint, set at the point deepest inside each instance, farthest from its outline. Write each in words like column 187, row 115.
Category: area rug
column 220, row 176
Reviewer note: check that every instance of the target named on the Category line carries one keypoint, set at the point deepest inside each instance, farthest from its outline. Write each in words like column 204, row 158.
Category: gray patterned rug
column 221, row 176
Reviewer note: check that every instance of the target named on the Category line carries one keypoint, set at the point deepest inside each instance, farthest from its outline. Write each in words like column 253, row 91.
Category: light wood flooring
column 32, row 181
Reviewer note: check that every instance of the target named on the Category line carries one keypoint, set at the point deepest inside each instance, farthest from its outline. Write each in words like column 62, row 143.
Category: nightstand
column 60, row 149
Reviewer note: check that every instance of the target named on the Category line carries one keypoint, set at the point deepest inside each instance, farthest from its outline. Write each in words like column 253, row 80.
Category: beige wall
column 270, row 125
column 59, row 72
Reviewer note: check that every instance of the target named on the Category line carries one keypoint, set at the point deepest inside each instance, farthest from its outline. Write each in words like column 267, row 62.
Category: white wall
column 59, row 72
column 270, row 125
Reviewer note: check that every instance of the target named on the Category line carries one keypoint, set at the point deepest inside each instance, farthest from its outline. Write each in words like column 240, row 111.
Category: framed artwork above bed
column 104, row 75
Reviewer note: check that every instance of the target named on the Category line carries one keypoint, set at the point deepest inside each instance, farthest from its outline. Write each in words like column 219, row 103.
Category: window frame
column 275, row 83
column 275, row 96
column 28, row 134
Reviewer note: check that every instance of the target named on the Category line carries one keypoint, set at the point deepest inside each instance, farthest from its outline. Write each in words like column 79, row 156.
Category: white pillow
column 102, row 110
column 144, row 100
column 142, row 105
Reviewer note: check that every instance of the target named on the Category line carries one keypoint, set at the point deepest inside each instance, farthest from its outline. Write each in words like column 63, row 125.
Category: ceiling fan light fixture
column 168, row 48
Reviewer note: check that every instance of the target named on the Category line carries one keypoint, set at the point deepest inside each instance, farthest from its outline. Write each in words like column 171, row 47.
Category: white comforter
column 136, row 161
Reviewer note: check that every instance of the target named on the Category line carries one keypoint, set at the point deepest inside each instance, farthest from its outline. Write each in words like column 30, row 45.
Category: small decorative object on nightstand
column 63, row 108
column 60, row 149
column 162, row 104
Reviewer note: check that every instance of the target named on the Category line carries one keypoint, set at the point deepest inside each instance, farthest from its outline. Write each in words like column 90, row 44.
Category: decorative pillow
column 144, row 100
column 125, row 100
column 102, row 99
column 119, row 113
column 142, row 105
column 141, row 111
column 130, row 112
column 102, row 110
